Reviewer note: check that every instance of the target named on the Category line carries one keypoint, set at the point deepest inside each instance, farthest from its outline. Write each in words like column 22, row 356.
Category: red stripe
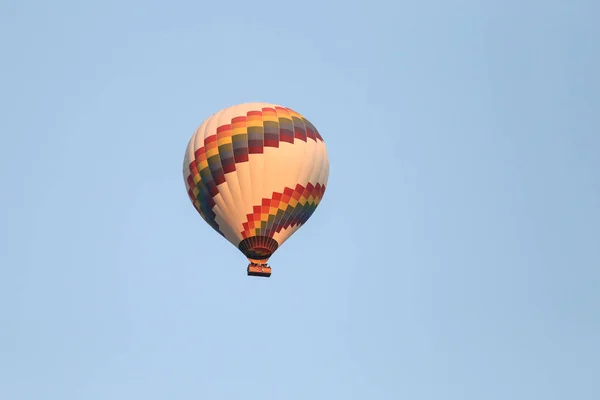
column 287, row 138
column 219, row 177
column 210, row 139
column 299, row 135
column 241, row 158
column 224, row 128
column 227, row 168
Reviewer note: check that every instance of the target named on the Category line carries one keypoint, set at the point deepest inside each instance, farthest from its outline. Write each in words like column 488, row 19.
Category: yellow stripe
column 269, row 117
column 212, row 152
column 294, row 114
column 238, row 131
column 255, row 123
column 293, row 202
column 224, row 140
column 282, row 113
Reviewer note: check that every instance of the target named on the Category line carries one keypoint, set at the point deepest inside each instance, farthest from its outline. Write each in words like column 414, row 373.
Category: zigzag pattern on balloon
column 232, row 143
column 292, row 207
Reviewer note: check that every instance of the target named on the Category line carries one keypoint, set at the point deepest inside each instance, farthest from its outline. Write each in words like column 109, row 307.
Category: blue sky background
column 455, row 255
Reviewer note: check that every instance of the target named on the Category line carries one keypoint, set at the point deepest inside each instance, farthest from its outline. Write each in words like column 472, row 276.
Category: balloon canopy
column 256, row 172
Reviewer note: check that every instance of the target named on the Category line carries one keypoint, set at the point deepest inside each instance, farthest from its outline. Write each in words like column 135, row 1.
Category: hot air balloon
column 256, row 172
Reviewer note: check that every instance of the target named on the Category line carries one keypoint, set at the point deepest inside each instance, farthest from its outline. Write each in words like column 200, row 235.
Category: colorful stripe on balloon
column 292, row 207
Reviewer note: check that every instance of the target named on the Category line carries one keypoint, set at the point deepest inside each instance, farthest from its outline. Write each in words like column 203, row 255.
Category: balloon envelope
column 256, row 172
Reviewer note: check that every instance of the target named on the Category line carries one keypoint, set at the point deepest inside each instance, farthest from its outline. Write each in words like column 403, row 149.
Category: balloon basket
column 259, row 270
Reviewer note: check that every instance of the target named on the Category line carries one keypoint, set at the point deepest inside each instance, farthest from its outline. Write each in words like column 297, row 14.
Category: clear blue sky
column 456, row 254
